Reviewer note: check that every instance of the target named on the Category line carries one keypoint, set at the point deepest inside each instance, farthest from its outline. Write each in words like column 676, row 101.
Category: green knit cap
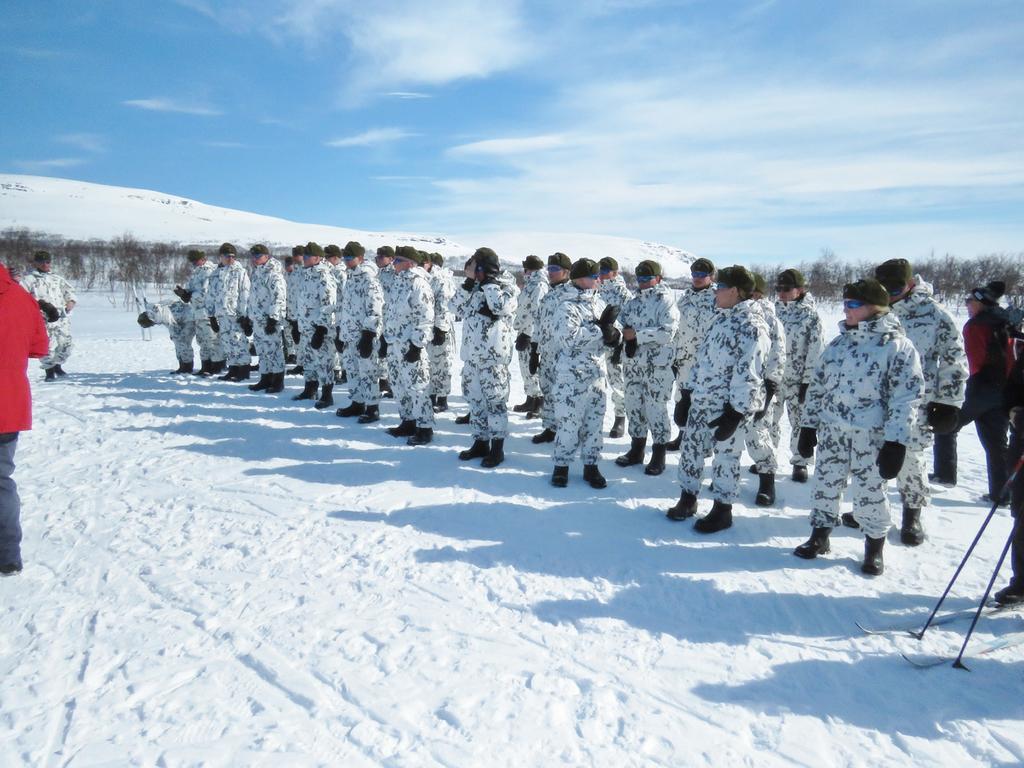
column 332, row 251
column 702, row 265
column 790, row 278
column 608, row 263
column 738, row 277
column 559, row 259
column 196, row 255
column 259, row 250
column 354, row 250
column 532, row 262
column 894, row 273
column 648, row 268
column 408, row 252
column 298, row 250
column 227, row 249
column 867, row 290
column 386, row 251
column 41, row 256
column 760, row 286
column 312, row 249
column 583, row 268
column 437, row 259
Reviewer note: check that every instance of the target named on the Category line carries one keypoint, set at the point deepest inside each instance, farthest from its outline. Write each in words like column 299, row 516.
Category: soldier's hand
column 270, row 326
column 214, row 325
column 616, row 357
column 440, row 337
column 412, row 354
column 631, row 347
column 469, row 284
column 246, row 325
column 145, row 320
column 295, row 330
column 890, row 459
column 770, row 388
column 365, row 344
column 610, row 335
column 682, row 410
column 182, row 294
column 50, row 312
column 486, row 311
column 806, row 442
column 522, row 342
column 339, row 345
column 726, row 422
column 609, row 316
column 534, row 357
column 942, row 418
column 383, row 350
column 319, row 334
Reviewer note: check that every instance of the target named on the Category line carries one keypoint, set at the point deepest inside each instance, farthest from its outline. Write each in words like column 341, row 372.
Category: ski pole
column 970, row 550
column 959, row 664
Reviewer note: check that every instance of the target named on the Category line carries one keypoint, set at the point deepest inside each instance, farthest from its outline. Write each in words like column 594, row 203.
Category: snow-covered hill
column 80, row 210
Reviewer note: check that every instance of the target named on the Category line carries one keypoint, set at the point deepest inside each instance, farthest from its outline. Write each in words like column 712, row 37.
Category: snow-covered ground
column 216, row 577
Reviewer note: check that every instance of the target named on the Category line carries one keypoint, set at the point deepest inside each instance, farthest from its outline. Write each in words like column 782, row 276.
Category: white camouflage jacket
column 528, row 310
column 409, row 310
column 868, row 378
column 362, row 304
column 293, row 284
column 653, row 314
column 614, row 293
column 268, row 293
column 488, row 342
column 442, row 283
column 228, row 294
column 199, row 284
column 802, row 325
column 696, row 311
column 775, row 361
column 579, row 344
column 549, row 330
column 316, row 297
column 46, row 286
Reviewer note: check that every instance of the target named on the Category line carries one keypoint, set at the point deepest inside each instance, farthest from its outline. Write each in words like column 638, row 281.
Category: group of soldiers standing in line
column 731, row 360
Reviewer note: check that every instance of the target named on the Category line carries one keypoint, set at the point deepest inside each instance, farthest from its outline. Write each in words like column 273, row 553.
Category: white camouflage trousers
column 579, row 413
column 546, row 376
column 697, row 444
column 759, row 444
column 209, row 342
column 647, row 389
column 486, row 390
column 441, row 366
column 233, row 341
column 616, row 383
column 317, row 364
column 60, row 343
column 913, row 477
column 531, row 381
column 847, row 453
column 269, row 347
column 182, row 335
column 788, row 399
column 411, row 383
column 363, row 375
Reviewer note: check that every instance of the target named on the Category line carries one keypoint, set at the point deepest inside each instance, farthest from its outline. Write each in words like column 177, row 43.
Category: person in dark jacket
column 986, row 339
column 1014, row 592
column 22, row 335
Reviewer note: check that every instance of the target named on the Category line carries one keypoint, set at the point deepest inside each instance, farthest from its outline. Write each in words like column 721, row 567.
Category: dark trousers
column 10, row 504
column 1017, row 508
column 990, row 420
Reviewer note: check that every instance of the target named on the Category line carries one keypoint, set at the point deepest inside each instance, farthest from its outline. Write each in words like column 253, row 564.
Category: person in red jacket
column 22, row 335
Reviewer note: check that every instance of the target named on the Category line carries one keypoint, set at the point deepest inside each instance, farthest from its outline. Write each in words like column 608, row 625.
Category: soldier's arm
column 374, row 307
column 746, row 383
column 68, row 295
column 501, row 302
column 818, row 386
column 664, row 329
column 951, row 372
column 905, row 386
column 422, row 306
column 813, row 347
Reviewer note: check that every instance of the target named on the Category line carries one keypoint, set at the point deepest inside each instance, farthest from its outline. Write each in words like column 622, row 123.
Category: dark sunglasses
column 853, row 304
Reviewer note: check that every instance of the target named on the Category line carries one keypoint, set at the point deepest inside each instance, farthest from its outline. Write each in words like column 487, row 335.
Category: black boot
column 308, row 392
column 547, row 436
column 657, row 463
column 290, row 360
column 276, row 383
column 352, row 409
column 818, row 544
column 61, row 372
column 217, row 366
column 718, row 519
column 478, row 450
column 243, row 372
column 873, row 565
column 1011, row 595
column 263, row 383
column 422, row 436
column 911, row 532
column 407, row 428
column 371, row 415
column 765, row 490
column 326, row 397
column 296, row 371
column 534, row 412
column 204, row 369
column 753, row 469
column 51, row 373
column 618, row 427
column 441, row 404
column 523, row 407
column 849, row 520
column 496, row 455
column 673, row 445
column 462, row 419
column 684, row 508
column 183, row 367
column 385, row 388
column 593, row 476
column 800, row 474
column 230, row 375
column 560, row 477
column 635, row 454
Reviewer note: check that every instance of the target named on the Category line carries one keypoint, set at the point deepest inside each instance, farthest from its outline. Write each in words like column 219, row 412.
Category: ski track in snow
column 216, row 577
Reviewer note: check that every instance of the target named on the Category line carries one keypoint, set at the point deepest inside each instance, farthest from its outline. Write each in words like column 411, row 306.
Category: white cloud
column 225, row 144
column 55, row 163
column 89, row 142
column 518, row 146
column 370, row 138
column 408, row 95
column 160, row 104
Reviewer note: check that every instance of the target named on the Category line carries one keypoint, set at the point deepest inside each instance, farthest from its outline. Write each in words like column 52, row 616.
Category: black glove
column 942, row 418
column 468, row 284
column 214, row 325
column 383, row 350
column 806, row 441
column 339, row 345
column 522, row 342
column 726, row 422
column 610, row 335
column 50, row 312
column 616, row 357
column 486, row 311
column 631, row 347
column 609, row 316
column 145, row 320
column 295, row 330
column 365, row 344
column 890, row 459
column 534, row 357
column 246, row 325
column 682, row 410
column 270, row 326
column 802, row 392
column 319, row 334
column 1017, row 419
column 412, row 354
column 182, row 294
column 770, row 388
column 440, row 337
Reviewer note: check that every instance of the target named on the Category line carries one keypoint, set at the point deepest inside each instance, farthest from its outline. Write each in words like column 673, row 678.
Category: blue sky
column 761, row 130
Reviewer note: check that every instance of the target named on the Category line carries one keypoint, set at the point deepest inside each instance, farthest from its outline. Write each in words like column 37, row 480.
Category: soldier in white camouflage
column 487, row 302
column 360, row 321
column 696, row 311
column 442, row 343
column 226, row 301
column 332, row 255
column 535, row 287
column 723, row 390
column 386, row 274
column 937, row 340
column 798, row 314
column 266, row 315
column 177, row 316
column 613, row 291
column 56, row 300
column 316, row 318
column 193, row 293
column 287, row 269
column 587, row 328
column 860, row 413
column 649, row 322
column 408, row 328
column 760, row 445
column 293, row 285
column 544, row 348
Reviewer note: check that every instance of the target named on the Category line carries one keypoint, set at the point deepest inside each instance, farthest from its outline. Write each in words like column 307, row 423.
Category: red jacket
column 22, row 335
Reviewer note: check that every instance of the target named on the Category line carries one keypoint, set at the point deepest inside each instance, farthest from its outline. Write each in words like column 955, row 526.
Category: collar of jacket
column 886, row 323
